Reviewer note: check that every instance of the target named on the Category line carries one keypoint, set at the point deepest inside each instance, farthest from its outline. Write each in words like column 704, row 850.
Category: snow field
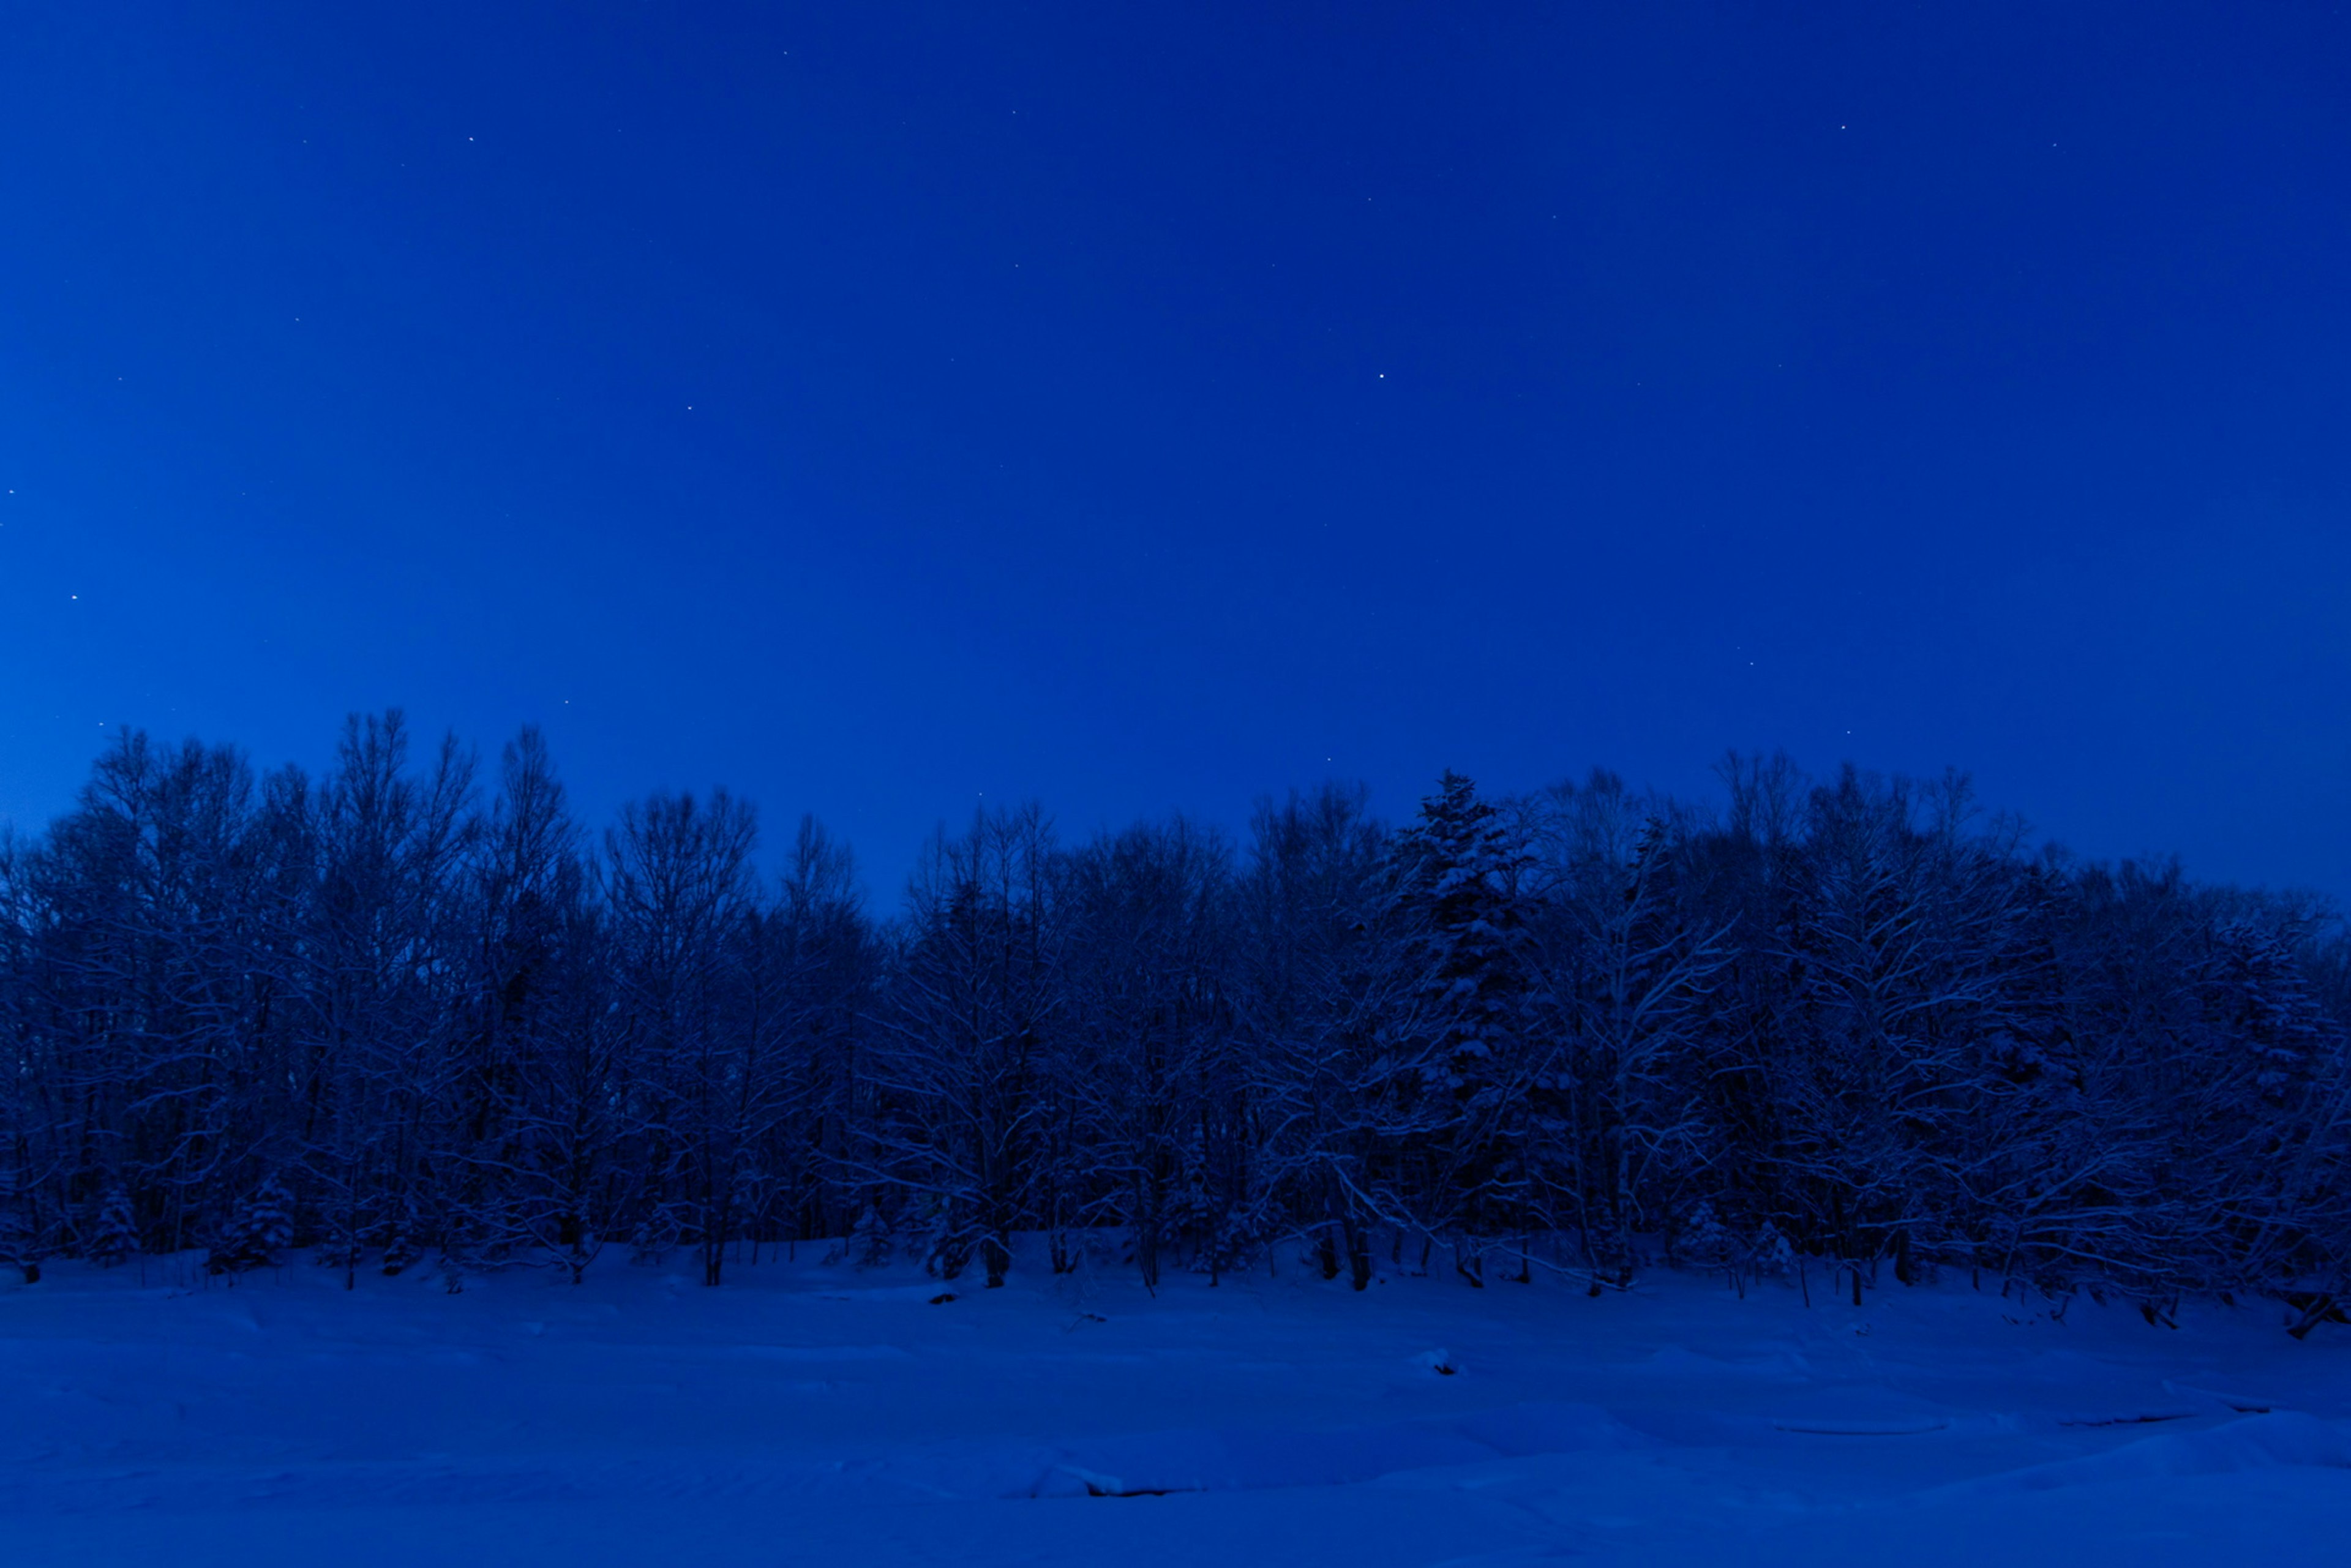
column 817, row 1414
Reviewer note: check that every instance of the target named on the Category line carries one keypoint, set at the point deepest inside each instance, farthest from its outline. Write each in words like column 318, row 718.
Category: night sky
column 876, row 408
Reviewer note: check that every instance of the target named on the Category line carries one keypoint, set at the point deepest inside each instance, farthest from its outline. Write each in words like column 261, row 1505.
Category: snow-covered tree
column 114, row 1227
column 259, row 1227
column 963, row 1066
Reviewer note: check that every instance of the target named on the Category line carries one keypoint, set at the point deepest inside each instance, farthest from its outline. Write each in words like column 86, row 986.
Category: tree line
column 403, row 1015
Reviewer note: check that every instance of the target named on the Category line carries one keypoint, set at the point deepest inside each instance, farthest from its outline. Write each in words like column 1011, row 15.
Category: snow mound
column 2255, row 1443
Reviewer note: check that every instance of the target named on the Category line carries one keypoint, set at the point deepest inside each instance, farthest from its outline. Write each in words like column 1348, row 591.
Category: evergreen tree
column 257, row 1231
column 114, row 1229
column 1460, row 898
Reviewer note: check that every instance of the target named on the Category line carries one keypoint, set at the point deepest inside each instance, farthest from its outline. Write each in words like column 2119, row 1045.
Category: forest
column 413, row 1014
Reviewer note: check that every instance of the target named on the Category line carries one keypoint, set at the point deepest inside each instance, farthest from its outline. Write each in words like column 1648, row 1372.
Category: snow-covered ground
column 811, row 1413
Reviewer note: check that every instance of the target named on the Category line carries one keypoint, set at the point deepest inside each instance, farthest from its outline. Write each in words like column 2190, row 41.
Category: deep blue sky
column 1145, row 406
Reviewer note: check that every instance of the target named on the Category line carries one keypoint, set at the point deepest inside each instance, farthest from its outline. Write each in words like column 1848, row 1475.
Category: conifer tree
column 1458, row 896
column 114, row 1229
column 259, row 1227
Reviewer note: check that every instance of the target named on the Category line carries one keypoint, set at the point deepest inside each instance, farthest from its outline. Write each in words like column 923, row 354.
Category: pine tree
column 1459, row 876
column 257, row 1230
column 114, row 1231
column 1458, row 896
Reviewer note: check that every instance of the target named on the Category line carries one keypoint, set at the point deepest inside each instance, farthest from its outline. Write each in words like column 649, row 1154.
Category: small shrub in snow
column 402, row 1247
column 947, row 1246
column 1772, row 1256
column 654, row 1237
column 869, row 1239
column 1705, row 1241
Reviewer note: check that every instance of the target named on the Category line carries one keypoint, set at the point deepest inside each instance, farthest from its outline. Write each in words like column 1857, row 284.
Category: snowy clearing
column 807, row 1413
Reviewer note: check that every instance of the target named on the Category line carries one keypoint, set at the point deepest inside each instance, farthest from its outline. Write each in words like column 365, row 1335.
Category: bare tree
column 679, row 882
column 962, row 1060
